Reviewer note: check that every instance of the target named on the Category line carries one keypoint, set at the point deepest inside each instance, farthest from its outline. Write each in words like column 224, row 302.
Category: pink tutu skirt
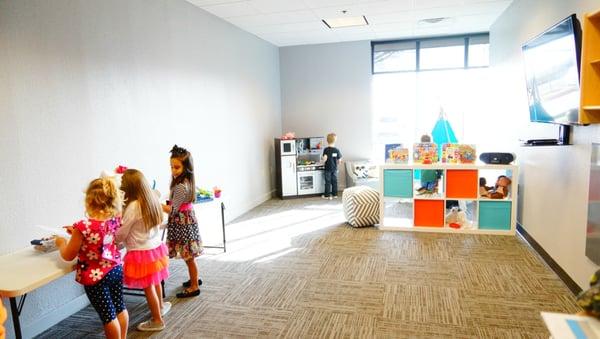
column 144, row 268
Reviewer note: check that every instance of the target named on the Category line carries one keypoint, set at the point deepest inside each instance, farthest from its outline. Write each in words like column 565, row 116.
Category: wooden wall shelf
column 590, row 69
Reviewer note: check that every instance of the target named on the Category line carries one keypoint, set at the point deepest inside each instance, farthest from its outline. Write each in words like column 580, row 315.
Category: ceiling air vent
column 433, row 20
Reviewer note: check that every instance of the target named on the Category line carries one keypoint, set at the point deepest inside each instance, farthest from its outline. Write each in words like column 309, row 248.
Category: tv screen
column 552, row 73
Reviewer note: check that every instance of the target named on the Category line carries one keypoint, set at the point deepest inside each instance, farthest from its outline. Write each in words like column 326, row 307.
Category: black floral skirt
column 183, row 236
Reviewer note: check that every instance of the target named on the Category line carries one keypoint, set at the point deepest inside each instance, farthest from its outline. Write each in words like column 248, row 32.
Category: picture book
column 467, row 154
column 396, row 154
column 450, row 153
column 425, row 153
column 458, row 154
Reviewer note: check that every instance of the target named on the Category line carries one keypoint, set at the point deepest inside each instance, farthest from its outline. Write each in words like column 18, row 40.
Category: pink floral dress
column 98, row 254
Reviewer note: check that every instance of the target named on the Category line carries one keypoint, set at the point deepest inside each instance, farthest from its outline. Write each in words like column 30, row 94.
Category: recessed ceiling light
column 346, row 21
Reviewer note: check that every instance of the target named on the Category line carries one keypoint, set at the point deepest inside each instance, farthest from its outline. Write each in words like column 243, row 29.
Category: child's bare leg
column 193, row 271
column 153, row 304
column 113, row 330
column 159, row 294
column 123, row 320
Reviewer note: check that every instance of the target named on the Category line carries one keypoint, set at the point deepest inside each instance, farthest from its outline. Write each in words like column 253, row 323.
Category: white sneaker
column 166, row 307
column 150, row 326
column 330, row 198
column 335, row 197
column 324, row 197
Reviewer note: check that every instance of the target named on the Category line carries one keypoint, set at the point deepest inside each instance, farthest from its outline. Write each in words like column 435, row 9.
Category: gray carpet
column 293, row 269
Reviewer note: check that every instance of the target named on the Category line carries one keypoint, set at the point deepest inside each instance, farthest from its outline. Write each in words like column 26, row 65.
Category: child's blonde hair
column 103, row 195
column 136, row 188
column 331, row 138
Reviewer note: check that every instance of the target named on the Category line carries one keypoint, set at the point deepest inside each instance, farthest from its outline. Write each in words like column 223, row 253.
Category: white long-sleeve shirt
column 133, row 232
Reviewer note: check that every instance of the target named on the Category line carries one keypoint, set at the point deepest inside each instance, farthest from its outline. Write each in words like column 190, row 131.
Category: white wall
column 554, row 180
column 88, row 85
column 327, row 88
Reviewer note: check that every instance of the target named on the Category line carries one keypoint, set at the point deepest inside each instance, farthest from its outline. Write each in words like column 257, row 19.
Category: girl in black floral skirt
column 183, row 236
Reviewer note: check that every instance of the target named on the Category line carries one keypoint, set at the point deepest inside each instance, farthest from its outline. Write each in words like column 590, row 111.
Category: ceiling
column 298, row 22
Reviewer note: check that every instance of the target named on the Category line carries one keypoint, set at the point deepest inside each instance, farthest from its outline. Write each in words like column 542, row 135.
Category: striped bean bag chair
column 361, row 206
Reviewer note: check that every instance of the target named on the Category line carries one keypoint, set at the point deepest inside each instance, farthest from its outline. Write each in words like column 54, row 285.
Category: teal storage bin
column 494, row 215
column 398, row 183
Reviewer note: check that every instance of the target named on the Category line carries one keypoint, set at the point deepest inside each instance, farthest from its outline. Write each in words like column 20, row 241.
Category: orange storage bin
column 462, row 184
column 429, row 213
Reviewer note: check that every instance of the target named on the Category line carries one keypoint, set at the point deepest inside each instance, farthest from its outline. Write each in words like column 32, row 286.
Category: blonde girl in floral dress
column 99, row 267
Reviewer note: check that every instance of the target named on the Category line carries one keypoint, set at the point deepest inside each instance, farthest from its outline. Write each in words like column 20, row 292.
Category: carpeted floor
column 293, row 269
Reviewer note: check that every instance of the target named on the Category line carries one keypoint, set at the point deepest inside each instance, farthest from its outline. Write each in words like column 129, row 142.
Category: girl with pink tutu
column 147, row 260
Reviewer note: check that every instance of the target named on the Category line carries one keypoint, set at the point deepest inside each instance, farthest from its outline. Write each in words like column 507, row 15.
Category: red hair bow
column 121, row 169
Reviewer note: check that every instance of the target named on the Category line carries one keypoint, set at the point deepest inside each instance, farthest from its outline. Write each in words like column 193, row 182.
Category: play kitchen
column 299, row 167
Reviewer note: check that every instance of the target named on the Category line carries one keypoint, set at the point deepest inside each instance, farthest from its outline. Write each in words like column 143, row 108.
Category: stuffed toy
column 456, row 218
column 501, row 189
column 483, row 188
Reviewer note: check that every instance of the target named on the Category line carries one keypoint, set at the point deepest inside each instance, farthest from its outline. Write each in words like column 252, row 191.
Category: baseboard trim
column 232, row 211
column 570, row 283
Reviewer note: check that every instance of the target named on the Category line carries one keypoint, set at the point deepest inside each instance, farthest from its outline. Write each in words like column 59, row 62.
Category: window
column 465, row 51
column 395, row 56
column 414, row 80
column 442, row 54
column 479, row 51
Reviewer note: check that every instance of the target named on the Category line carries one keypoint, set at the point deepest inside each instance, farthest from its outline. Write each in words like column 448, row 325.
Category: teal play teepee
column 442, row 132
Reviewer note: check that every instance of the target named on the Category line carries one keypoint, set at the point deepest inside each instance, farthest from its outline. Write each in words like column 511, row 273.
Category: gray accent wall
column 554, row 180
column 88, row 85
column 327, row 88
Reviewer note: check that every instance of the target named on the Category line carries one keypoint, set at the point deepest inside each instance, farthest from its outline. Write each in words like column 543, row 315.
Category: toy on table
column 46, row 244
column 203, row 195
column 217, row 192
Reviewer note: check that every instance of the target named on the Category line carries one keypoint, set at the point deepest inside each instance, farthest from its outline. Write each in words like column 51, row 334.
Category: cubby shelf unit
column 458, row 183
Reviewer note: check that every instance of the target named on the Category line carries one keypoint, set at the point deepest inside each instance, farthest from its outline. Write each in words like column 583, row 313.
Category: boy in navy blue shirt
column 331, row 157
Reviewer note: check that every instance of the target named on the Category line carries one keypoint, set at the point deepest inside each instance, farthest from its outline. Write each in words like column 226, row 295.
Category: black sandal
column 187, row 294
column 188, row 283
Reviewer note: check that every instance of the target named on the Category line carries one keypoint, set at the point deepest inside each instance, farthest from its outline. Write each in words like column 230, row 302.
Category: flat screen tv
column 552, row 61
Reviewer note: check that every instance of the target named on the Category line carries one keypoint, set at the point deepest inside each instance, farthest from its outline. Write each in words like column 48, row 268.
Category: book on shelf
column 396, row 154
column 425, row 153
column 458, row 154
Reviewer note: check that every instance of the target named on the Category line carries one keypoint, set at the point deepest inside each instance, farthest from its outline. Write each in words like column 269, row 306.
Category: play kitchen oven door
column 310, row 180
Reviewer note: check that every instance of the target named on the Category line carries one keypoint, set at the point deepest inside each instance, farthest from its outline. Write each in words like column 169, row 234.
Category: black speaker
column 497, row 158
